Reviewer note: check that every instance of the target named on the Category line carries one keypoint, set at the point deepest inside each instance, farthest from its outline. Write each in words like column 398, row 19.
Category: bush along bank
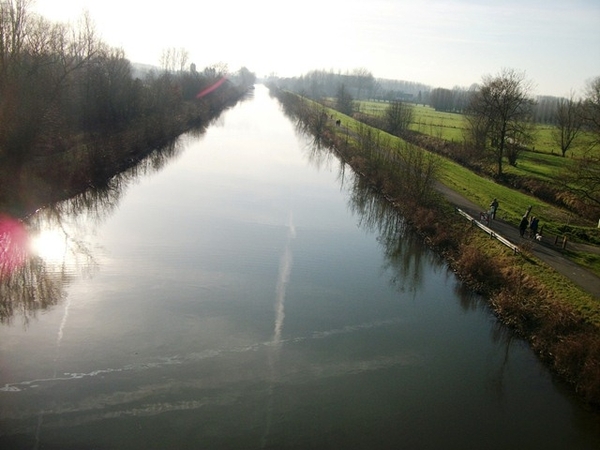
column 561, row 323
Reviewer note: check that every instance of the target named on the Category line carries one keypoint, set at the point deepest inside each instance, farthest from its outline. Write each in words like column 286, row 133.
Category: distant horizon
column 259, row 77
column 433, row 42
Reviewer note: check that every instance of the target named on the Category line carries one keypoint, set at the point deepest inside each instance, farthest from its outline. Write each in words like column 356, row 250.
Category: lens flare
column 13, row 245
column 211, row 88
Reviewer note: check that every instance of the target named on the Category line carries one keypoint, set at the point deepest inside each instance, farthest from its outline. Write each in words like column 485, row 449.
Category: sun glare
column 50, row 245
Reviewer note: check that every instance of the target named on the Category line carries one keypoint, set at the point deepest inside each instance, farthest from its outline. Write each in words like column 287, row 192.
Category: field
column 450, row 127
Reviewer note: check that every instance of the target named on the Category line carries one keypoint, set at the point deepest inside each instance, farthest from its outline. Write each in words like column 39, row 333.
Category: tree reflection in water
column 42, row 254
column 403, row 249
column 405, row 255
column 29, row 286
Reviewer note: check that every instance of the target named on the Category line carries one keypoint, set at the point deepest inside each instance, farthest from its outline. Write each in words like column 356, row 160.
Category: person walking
column 493, row 208
column 523, row 225
column 533, row 226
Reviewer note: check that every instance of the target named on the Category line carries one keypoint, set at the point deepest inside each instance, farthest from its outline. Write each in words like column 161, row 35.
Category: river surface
column 244, row 290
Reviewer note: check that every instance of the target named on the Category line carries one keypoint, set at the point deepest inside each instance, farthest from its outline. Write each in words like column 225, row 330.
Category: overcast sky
column 436, row 42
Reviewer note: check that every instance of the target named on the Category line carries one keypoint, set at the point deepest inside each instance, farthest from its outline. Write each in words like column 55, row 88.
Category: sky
column 442, row 43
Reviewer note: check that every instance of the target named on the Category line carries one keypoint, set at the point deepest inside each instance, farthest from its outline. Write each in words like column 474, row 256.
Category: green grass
column 513, row 204
column 539, row 164
column 544, row 142
column 443, row 125
column 450, row 126
column 481, row 190
column 542, row 166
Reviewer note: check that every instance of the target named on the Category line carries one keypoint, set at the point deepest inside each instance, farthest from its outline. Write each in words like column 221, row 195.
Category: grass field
column 443, row 125
column 542, row 166
column 450, row 126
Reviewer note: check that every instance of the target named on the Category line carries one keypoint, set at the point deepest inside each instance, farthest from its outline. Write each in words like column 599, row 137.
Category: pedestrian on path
column 493, row 208
column 533, row 226
column 523, row 225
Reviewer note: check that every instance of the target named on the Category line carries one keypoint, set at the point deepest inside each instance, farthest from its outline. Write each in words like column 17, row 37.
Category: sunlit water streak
column 119, row 404
column 60, row 333
column 285, row 269
column 196, row 357
column 59, row 337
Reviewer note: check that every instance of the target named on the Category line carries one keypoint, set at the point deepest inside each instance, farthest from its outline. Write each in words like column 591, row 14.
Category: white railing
column 488, row 230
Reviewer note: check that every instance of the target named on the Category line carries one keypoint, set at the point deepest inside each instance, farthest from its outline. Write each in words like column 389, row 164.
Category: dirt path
column 544, row 250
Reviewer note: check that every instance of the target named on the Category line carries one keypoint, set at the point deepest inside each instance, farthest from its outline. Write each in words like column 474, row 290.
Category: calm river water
column 244, row 290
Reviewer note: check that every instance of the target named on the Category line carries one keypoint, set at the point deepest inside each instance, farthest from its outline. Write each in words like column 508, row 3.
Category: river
column 244, row 289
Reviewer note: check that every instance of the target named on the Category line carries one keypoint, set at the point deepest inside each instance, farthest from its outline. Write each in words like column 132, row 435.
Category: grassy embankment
column 558, row 319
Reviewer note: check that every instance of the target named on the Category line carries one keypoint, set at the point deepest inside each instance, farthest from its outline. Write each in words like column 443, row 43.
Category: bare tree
column 419, row 170
column 344, row 101
column 398, row 116
column 14, row 16
column 216, row 70
column 501, row 110
column 39, row 62
column 520, row 135
column 591, row 110
column 475, row 133
column 363, row 80
column 584, row 178
column 569, row 121
column 174, row 59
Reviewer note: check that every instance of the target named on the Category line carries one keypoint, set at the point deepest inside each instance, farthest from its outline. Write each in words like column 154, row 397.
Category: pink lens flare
column 212, row 87
column 13, row 245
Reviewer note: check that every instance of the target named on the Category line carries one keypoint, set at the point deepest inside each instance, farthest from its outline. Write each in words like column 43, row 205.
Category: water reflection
column 504, row 338
column 25, row 283
column 40, row 255
column 406, row 257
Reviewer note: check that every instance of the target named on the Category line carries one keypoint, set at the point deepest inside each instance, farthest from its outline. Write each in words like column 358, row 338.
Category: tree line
column 362, row 85
column 544, row 109
column 359, row 83
column 62, row 87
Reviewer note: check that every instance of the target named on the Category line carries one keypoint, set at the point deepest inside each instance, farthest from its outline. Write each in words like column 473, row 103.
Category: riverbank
column 526, row 294
column 90, row 160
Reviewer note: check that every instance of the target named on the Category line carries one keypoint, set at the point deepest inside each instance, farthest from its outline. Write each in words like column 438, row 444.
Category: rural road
column 546, row 250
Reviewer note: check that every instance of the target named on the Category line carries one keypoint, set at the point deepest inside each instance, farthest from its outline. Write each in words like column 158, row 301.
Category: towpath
column 545, row 250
